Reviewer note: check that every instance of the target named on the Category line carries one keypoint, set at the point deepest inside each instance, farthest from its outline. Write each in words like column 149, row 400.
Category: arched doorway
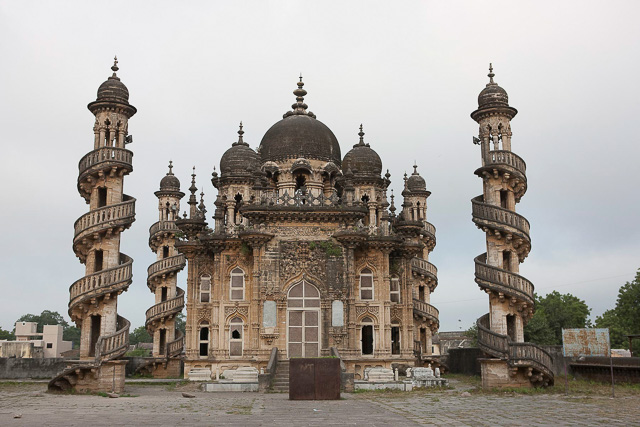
column 303, row 321
column 366, row 337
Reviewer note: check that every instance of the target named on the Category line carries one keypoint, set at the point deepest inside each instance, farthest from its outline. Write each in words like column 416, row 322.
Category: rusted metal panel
column 585, row 342
column 327, row 378
column 301, row 379
column 314, row 379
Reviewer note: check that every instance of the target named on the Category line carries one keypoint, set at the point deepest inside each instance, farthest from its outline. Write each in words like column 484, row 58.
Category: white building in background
column 30, row 343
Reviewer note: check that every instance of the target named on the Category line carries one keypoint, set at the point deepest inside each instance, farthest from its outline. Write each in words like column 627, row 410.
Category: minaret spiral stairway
column 161, row 278
column 96, row 240
column 508, row 242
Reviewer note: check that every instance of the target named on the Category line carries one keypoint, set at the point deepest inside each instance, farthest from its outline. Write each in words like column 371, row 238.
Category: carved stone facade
column 306, row 253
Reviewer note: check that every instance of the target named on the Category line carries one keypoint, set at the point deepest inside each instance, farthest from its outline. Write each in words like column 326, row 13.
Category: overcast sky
column 409, row 71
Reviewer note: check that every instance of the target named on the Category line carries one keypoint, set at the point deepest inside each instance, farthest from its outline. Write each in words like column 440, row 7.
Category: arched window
column 203, row 338
column 205, row 288
column 236, row 285
column 366, row 284
column 235, row 336
column 394, row 290
column 395, row 338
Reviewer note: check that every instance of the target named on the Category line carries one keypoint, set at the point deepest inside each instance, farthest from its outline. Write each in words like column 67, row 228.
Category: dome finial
column 240, row 140
column 361, row 135
column 115, row 68
column 300, row 108
column 415, row 168
column 491, row 75
column 170, row 167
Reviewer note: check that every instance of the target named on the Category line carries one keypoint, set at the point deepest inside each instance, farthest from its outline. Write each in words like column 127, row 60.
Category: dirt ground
column 462, row 403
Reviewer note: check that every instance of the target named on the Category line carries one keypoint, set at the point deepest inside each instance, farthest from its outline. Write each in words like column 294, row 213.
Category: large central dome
column 300, row 134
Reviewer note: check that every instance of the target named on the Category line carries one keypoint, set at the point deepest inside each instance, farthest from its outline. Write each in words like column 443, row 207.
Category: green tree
column 6, row 335
column 624, row 319
column 138, row 335
column 558, row 311
column 472, row 333
column 180, row 323
column 538, row 330
column 47, row 317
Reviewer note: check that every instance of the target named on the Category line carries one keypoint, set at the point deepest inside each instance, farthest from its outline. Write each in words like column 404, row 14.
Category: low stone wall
column 625, row 369
column 557, row 358
column 14, row 368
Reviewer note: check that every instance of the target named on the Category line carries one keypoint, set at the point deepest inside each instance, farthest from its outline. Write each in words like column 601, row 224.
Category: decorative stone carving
column 300, row 256
column 228, row 311
column 204, row 314
column 372, row 309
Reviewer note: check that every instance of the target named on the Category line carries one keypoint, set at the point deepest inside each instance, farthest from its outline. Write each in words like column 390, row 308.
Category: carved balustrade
column 105, row 154
column 112, row 346
column 504, row 157
column 425, row 310
column 166, row 308
column 503, row 281
column 164, row 266
column 487, row 212
column 103, row 218
column 105, row 281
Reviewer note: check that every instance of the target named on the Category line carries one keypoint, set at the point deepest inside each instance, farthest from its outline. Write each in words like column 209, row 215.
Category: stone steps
column 280, row 381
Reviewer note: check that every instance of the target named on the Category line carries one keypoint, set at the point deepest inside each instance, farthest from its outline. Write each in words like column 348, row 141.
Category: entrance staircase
column 280, row 382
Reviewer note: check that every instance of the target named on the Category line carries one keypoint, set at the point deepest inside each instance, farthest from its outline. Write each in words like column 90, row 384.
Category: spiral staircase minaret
column 168, row 342
column 96, row 242
column 512, row 361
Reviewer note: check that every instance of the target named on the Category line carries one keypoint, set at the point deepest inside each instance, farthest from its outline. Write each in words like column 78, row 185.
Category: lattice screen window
column 394, row 288
column 237, row 284
column 205, row 288
column 366, row 284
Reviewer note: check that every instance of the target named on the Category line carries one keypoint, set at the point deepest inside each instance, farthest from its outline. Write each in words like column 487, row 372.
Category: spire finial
column 361, row 135
column 299, row 108
column 193, row 188
column 170, row 168
column 491, row 75
column 240, row 140
column 115, row 65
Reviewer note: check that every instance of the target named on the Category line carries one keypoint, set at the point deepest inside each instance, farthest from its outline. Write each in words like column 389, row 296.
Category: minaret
column 162, row 279
column 511, row 297
column 94, row 298
column 413, row 222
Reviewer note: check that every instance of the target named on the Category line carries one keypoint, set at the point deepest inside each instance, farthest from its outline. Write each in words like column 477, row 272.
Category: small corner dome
column 113, row 89
column 240, row 159
column 416, row 182
column 493, row 96
column 362, row 160
column 170, row 183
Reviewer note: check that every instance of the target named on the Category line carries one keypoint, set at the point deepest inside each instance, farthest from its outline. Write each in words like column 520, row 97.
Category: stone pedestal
column 245, row 375
column 199, row 374
column 109, row 377
column 496, row 373
column 380, row 375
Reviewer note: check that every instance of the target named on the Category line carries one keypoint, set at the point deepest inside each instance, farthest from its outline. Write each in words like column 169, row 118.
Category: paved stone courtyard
column 162, row 405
